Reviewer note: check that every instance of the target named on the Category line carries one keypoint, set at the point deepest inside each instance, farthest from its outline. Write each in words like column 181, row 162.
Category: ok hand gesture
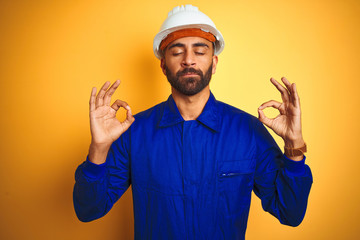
column 105, row 127
column 288, row 123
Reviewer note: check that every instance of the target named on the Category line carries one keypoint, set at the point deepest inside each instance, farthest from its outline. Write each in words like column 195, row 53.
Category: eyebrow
column 199, row 44
column 176, row 45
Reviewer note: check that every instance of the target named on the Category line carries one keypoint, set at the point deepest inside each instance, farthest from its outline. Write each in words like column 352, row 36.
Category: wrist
column 101, row 147
column 98, row 153
column 294, row 143
column 295, row 158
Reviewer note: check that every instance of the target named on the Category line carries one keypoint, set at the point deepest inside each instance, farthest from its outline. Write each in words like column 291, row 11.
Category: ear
column 162, row 65
column 215, row 62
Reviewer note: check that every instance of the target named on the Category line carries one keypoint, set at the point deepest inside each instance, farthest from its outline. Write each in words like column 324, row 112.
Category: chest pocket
column 236, row 179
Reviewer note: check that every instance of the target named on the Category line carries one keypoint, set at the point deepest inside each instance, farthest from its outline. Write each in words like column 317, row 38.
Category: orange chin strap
column 187, row 32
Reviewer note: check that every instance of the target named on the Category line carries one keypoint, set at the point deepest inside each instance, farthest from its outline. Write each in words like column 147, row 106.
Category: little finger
column 296, row 96
column 92, row 99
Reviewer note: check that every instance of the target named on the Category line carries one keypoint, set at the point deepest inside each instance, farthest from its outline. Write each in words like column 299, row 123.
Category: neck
column 190, row 107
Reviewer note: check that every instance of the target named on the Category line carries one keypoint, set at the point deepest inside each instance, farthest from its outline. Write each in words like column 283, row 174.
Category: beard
column 189, row 86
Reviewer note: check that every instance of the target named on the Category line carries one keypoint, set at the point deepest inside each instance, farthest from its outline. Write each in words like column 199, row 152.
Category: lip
column 190, row 74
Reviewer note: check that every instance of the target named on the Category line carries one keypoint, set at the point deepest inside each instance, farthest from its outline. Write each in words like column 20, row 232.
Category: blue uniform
column 193, row 179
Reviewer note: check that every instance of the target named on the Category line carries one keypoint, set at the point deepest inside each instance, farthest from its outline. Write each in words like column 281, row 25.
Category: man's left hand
column 288, row 123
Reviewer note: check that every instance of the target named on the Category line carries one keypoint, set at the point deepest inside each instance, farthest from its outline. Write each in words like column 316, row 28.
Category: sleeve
column 98, row 187
column 283, row 185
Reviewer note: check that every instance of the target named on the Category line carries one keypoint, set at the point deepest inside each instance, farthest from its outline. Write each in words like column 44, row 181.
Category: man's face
column 188, row 64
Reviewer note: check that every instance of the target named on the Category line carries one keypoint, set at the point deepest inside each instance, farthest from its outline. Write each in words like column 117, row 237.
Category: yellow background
column 53, row 52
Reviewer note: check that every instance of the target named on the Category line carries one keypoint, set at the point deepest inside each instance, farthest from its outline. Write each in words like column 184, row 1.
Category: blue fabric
column 193, row 179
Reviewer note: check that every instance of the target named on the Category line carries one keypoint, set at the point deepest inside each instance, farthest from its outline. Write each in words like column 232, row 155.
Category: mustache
column 189, row 70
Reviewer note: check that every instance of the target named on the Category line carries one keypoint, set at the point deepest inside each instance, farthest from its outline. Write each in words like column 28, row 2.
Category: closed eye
column 176, row 53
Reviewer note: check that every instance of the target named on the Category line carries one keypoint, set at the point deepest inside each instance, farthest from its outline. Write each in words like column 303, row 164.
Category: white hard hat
column 183, row 17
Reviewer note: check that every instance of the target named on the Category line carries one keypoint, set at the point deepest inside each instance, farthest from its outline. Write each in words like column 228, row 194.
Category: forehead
column 190, row 41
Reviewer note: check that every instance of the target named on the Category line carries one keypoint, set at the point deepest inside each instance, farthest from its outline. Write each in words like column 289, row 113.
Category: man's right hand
column 105, row 127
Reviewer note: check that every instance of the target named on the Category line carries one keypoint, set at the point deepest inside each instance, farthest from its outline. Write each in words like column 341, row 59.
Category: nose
column 188, row 60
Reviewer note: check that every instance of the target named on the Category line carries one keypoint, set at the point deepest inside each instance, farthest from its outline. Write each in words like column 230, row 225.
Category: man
column 193, row 161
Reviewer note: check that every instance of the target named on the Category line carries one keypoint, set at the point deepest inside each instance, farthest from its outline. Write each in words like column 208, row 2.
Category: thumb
column 265, row 120
column 129, row 118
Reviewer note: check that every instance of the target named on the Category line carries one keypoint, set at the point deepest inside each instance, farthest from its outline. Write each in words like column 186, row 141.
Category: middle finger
column 110, row 92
